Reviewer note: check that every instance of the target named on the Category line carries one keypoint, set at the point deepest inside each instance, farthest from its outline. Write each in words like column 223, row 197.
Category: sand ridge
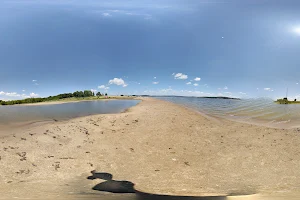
column 162, row 147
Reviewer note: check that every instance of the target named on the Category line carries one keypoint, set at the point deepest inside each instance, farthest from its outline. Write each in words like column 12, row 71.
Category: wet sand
column 162, row 148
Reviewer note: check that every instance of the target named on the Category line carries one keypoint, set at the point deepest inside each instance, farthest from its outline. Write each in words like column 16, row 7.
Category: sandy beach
column 161, row 147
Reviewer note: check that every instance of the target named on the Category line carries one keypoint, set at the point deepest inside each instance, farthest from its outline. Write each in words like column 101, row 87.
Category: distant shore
column 161, row 147
column 74, row 99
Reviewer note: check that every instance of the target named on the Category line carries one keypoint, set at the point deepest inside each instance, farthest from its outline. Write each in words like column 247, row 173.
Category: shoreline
column 72, row 101
column 162, row 147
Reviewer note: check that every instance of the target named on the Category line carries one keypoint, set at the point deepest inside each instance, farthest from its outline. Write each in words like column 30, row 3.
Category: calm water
column 35, row 113
column 257, row 111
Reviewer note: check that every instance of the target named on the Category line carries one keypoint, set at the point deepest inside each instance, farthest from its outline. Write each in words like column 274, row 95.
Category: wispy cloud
column 155, row 83
column 106, row 14
column 34, row 80
column 32, row 95
column 154, row 77
column 188, row 83
column 180, row 76
column 242, row 93
column 170, row 91
column 197, row 79
column 268, row 89
column 15, row 95
column 195, row 84
column 225, row 88
column 103, row 87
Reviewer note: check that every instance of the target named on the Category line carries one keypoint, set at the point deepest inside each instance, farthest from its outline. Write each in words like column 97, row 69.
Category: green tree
column 98, row 94
column 88, row 93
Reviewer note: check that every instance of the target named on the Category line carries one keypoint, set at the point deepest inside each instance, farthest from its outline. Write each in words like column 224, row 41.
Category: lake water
column 38, row 113
column 256, row 111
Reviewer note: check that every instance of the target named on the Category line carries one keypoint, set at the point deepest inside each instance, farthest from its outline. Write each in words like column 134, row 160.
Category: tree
column 88, row 93
column 98, row 94
column 105, row 94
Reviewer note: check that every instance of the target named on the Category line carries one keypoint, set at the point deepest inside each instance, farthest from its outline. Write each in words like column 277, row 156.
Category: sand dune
column 161, row 147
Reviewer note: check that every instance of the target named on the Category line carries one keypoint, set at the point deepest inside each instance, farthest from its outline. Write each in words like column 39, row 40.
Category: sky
column 245, row 49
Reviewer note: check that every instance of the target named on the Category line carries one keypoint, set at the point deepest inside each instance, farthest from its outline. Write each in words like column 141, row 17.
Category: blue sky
column 195, row 48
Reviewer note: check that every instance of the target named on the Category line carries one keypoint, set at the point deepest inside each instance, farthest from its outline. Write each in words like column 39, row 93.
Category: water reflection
column 23, row 113
column 256, row 111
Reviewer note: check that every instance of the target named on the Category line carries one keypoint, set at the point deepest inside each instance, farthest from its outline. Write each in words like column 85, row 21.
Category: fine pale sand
column 161, row 147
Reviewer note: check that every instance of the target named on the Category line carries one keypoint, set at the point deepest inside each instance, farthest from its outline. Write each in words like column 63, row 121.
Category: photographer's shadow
column 114, row 186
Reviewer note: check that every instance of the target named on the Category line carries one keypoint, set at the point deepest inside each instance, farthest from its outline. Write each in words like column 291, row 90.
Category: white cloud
column 36, row 84
column 114, row 10
column 169, row 91
column 180, row 76
column 93, row 90
column 225, row 88
column 197, row 79
column 188, row 83
column 23, row 90
column 227, row 92
column 34, row 80
column 118, row 81
column 103, row 87
column 243, row 93
column 32, row 95
column 14, row 95
column 297, row 83
column 106, row 14
column 195, row 84
column 155, row 83
column 154, row 77
column 268, row 89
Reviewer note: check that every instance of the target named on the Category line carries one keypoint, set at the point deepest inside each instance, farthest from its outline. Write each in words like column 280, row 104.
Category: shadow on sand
column 114, row 186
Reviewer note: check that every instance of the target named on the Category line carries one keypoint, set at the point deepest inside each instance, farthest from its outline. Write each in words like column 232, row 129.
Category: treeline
column 77, row 94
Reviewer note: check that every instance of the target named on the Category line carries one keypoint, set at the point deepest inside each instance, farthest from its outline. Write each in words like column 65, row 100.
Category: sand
column 162, row 147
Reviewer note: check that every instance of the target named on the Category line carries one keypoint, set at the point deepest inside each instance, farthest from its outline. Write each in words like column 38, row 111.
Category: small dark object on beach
column 100, row 175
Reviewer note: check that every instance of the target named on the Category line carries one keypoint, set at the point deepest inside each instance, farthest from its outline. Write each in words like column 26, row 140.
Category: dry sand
column 161, row 147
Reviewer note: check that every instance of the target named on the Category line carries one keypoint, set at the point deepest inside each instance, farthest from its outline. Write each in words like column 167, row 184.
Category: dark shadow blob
column 146, row 196
column 115, row 186
column 100, row 175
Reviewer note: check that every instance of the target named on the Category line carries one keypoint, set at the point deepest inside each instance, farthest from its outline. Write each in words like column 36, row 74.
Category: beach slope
column 161, row 147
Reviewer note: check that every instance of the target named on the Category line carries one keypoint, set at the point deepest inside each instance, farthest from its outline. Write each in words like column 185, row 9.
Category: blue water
column 260, row 111
column 34, row 113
